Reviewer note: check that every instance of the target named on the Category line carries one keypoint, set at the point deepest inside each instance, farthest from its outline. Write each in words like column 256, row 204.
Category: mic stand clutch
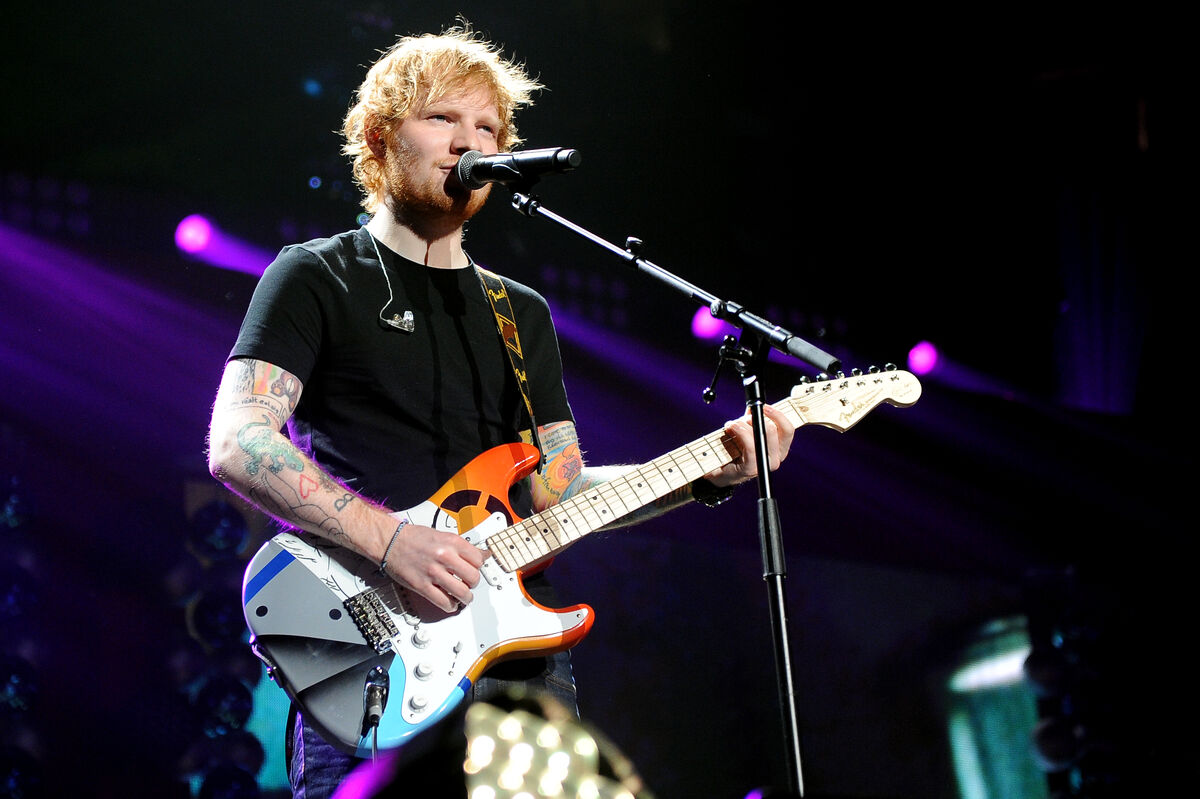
column 749, row 356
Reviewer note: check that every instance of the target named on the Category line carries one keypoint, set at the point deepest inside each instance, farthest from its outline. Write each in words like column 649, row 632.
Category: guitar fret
column 586, row 504
column 661, row 478
column 549, row 531
column 706, row 454
column 610, row 495
column 533, row 539
column 513, row 553
column 638, row 485
column 569, row 528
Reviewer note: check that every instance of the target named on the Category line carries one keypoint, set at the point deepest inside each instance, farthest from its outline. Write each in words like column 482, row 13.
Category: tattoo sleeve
column 255, row 459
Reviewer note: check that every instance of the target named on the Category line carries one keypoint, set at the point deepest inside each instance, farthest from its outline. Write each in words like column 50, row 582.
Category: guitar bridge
column 372, row 619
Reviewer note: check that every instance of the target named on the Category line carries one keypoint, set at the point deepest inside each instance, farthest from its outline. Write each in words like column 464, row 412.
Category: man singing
column 368, row 369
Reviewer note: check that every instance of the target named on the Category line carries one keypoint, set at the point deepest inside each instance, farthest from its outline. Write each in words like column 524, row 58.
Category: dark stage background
column 1002, row 185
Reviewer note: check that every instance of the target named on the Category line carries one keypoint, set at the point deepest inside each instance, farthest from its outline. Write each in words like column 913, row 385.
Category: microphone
column 474, row 169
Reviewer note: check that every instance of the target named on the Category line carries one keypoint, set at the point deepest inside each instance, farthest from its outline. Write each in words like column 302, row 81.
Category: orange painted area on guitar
column 543, row 645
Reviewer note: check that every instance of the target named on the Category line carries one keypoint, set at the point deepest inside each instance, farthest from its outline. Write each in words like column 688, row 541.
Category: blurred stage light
column 215, row 619
column 20, row 773
column 244, row 750
column 1058, row 743
column 219, row 531
column 526, row 745
column 707, row 327
column 538, row 749
column 18, row 686
column 922, row 358
column 224, row 705
column 193, row 234
column 229, row 782
column 18, row 591
column 198, row 237
column 18, row 506
column 995, row 671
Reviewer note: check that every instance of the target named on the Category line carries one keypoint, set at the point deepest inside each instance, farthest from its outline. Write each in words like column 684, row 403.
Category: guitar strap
column 506, row 325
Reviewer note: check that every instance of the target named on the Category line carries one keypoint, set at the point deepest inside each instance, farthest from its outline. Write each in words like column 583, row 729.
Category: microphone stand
column 748, row 357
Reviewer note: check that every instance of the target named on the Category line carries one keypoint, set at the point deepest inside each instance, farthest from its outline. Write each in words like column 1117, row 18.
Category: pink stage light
column 707, row 327
column 922, row 358
column 200, row 238
column 193, row 234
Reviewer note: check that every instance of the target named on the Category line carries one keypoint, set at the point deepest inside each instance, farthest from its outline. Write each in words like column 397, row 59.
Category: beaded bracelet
column 386, row 552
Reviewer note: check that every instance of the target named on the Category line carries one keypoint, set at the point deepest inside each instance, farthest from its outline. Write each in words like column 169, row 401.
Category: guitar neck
column 543, row 534
column 838, row 404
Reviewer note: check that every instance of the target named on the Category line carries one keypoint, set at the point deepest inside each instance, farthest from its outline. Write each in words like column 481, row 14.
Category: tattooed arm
column 565, row 474
column 249, row 453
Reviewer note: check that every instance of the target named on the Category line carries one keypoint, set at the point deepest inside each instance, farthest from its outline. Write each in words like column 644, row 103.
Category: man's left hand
column 779, row 434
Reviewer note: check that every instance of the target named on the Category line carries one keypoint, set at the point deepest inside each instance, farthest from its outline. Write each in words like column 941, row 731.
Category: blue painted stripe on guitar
column 267, row 573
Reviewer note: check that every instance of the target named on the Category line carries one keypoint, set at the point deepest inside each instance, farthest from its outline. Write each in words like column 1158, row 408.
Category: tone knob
column 420, row 638
column 418, row 703
column 423, row 670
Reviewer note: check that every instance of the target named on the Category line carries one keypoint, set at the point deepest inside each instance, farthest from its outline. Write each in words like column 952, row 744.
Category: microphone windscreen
column 462, row 170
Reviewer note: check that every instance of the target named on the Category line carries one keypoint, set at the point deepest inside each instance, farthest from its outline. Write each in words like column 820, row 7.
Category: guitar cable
column 375, row 696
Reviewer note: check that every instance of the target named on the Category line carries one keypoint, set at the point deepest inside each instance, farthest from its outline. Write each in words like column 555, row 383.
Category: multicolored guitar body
column 322, row 618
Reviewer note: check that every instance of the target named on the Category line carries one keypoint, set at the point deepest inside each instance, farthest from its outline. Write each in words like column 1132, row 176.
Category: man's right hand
column 440, row 566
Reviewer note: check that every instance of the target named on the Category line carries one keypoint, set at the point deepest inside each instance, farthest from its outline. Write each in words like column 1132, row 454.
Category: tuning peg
column 890, row 367
column 873, row 369
column 856, row 372
column 822, row 376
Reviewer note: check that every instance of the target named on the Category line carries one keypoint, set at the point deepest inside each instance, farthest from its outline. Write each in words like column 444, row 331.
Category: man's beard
column 421, row 199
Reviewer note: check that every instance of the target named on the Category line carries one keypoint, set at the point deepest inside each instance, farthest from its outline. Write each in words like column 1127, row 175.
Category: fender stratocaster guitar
column 323, row 619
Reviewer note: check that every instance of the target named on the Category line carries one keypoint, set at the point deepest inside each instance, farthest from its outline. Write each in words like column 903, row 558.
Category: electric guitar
column 329, row 627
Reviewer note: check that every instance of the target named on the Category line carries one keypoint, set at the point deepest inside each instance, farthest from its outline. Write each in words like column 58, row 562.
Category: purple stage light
column 193, row 234
column 707, row 327
column 922, row 358
column 200, row 238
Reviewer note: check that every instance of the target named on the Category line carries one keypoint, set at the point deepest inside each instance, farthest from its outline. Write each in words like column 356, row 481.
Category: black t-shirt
column 394, row 414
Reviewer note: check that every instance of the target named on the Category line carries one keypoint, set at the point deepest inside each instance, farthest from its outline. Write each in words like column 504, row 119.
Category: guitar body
column 321, row 617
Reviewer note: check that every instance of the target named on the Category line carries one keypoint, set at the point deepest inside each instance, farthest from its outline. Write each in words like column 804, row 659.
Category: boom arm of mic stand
column 731, row 312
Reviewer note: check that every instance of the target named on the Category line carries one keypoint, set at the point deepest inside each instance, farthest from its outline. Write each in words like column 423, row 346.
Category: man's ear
column 376, row 136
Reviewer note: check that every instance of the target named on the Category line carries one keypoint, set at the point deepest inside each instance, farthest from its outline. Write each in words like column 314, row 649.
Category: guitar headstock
column 842, row 400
